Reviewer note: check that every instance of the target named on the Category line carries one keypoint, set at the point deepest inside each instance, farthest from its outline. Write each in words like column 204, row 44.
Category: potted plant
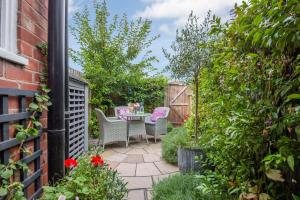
column 191, row 52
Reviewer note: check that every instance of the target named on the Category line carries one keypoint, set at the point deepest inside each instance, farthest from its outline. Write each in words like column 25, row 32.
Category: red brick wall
column 31, row 31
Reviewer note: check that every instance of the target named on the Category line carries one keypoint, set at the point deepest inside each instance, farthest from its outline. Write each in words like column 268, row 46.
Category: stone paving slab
column 121, row 149
column 118, row 157
column 136, row 151
column 146, row 169
column 140, row 165
column 138, row 182
column 151, row 157
column 108, row 153
column 112, row 164
column 166, row 168
column 126, row 169
column 136, row 194
column 134, row 158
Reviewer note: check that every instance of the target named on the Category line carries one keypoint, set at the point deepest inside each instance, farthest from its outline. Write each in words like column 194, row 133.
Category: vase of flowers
column 134, row 107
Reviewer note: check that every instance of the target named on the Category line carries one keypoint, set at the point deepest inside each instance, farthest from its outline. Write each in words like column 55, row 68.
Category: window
column 8, row 32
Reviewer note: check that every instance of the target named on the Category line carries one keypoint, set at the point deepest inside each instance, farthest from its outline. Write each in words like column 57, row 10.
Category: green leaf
column 294, row 96
column 297, row 130
column 3, row 191
column 7, row 174
column 291, row 162
column 33, row 106
column 295, row 197
column 21, row 136
column 33, row 132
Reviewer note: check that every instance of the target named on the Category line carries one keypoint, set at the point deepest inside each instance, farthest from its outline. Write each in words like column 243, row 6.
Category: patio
column 140, row 165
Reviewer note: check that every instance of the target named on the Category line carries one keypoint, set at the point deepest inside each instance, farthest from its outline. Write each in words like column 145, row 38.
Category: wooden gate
column 179, row 99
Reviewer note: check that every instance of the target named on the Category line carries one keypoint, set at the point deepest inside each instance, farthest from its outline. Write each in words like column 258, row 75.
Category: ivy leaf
column 33, row 132
column 291, row 162
column 37, row 123
column 7, row 174
column 21, row 136
column 33, row 106
column 3, row 191
column 275, row 175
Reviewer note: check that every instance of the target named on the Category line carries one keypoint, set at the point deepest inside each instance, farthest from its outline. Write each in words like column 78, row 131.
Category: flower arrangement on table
column 134, row 107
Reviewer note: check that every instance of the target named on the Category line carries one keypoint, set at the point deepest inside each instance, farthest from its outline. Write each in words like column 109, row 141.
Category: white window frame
column 8, row 32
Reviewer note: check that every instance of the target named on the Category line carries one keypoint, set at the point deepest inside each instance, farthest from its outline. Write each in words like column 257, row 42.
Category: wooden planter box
column 187, row 161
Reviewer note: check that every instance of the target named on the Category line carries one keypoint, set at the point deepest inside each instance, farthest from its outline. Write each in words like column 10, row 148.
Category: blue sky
column 166, row 17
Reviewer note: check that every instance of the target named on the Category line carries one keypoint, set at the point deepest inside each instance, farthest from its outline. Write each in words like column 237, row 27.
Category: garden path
column 140, row 165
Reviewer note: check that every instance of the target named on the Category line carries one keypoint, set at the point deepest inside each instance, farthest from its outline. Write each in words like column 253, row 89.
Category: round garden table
column 136, row 125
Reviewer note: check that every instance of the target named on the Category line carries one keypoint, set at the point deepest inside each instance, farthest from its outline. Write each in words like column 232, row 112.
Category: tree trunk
column 196, row 109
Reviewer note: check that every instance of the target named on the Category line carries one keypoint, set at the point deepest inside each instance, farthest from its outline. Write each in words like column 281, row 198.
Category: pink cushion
column 158, row 113
column 122, row 113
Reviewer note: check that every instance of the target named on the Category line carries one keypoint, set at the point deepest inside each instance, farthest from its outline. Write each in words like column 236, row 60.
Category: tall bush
column 110, row 53
column 250, row 99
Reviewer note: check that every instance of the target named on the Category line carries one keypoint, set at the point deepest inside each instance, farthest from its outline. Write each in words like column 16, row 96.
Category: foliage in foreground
column 250, row 101
column 170, row 143
column 88, row 181
column 176, row 187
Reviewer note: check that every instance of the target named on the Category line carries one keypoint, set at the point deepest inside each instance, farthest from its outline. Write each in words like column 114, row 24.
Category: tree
column 109, row 52
column 190, row 54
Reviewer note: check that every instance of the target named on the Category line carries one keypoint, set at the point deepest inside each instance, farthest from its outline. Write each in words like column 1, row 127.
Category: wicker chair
column 118, row 108
column 160, row 126
column 111, row 130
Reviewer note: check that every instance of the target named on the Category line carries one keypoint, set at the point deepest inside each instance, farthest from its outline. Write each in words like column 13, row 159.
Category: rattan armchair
column 111, row 130
column 160, row 126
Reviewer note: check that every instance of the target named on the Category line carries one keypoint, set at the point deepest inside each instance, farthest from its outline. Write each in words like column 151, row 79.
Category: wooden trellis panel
column 78, row 117
column 179, row 99
column 7, row 142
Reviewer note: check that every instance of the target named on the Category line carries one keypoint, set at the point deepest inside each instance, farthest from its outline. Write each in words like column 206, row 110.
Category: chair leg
column 146, row 139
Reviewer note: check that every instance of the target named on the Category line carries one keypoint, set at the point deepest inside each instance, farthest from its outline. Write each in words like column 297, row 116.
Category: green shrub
column 170, row 143
column 94, row 127
column 177, row 187
column 88, row 182
column 170, row 127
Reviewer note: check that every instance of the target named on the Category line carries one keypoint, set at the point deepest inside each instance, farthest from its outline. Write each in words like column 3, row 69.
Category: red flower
column 186, row 117
column 97, row 161
column 70, row 162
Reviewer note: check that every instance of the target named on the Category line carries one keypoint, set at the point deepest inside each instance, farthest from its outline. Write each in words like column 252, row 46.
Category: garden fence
column 179, row 98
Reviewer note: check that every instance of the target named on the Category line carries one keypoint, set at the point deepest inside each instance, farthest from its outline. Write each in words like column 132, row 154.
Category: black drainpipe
column 67, row 115
column 56, row 81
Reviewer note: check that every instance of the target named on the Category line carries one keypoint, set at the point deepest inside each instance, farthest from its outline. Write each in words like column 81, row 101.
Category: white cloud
column 170, row 9
column 166, row 29
column 178, row 10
